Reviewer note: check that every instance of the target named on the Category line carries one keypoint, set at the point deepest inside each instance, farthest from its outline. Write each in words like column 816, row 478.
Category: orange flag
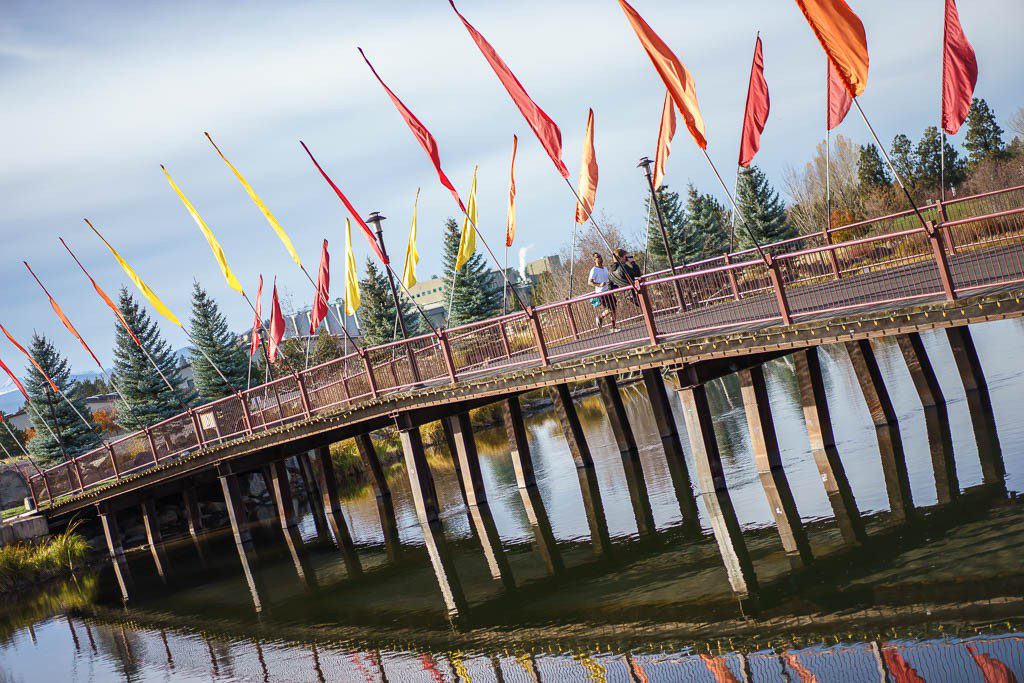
column 103, row 295
column 666, row 131
column 63, row 318
column 510, row 220
column 276, row 326
column 677, row 79
column 14, row 378
column 842, row 36
column 587, row 190
column 30, row 358
column 837, row 97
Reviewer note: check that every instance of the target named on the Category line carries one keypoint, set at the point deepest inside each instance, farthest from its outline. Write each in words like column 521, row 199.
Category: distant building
column 19, row 420
column 542, row 266
column 296, row 325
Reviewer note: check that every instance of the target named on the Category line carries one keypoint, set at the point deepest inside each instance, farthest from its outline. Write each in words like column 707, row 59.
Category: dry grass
column 25, row 564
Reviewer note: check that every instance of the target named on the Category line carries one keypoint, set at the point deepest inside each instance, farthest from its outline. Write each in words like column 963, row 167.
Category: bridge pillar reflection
column 241, row 532
column 154, row 539
column 593, row 507
column 421, row 481
column 630, row 454
column 543, row 534
column 920, row 367
column 979, row 403
column 194, row 521
column 714, row 490
column 823, row 446
column 768, row 461
column 112, row 534
column 309, row 486
column 657, row 396
column 281, row 491
column 322, row 471
column 443, row 563
column 872, row 385
column 519, row 445
column 448, row 429
column 569, row 419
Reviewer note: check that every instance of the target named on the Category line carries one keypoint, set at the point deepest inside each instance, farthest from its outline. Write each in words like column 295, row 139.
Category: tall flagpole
column 572, row 257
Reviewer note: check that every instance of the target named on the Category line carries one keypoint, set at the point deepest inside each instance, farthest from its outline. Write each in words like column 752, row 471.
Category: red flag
column 758, row 105
column 899, row 669
column 837, row 96
column 544, row 128
column 351, row 209
column 17, row 382
column 257, row 320
column 802, row 671
column 103, row 295
column 719, row 669
column 959, row 72
column 276, row 326
column 30, row 358
column 992, row 669
column 64, row 319
column 323, row 292
column 588, row 174
column 419, row 131
column 666, row 131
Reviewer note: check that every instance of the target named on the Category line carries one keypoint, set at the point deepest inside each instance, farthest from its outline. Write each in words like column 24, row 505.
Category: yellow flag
column 142, row 286
column 218, row 253
column 467, row 244
column 351, row 280
column 412, row 256
column 262, row 207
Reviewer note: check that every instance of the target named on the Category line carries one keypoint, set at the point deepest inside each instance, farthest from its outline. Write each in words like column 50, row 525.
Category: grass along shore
column 28, row 564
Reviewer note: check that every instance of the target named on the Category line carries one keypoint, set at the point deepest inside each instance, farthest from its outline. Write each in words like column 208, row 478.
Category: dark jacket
column 618, row 274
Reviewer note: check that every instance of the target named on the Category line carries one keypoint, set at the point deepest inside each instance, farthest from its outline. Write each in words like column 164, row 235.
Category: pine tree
column 708, row 222
column 984, row 137
column 902, row 155
column 149, row 399
column 211, row 334
column 674, row 216
column 325, row 347
column 477, row 291
column 377, row 320
column 929, row 161
column 872, row 173
column 762, row 213
column 51, row 415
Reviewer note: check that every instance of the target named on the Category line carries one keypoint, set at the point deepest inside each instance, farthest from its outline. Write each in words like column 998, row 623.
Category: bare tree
column 806, row 188
column 1017, row 122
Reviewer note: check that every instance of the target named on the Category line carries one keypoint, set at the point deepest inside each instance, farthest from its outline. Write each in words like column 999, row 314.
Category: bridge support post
column 823, row 446
column 281, row 490
column 894, row 470
column 715, row 492
column 467, row 460
column 872, row 385
column 323, row 474
column 657, row 396
column 154, row 539
column 940, row 443
column 920, row 367
column 979, row 403
column 443, row 564
column 194, row 520
column 421, row 481
column 519, row 445
column 565, row 411
column 112, row 534
column 593, row 506
column 453, row 453
column 381, row 489
column 543, row 535
column 310, row 486
column 240, row 531
column 768, row 461
column 629, row 453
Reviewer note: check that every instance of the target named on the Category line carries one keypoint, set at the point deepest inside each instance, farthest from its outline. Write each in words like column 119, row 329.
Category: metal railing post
column 246, row 413
column 200, row 441
column 538, row 335
column 446, row 353
column 780, row 290
column 78, row 474
column 645, row 310
column 303, row 395
column 571, row 317
column 941, row 262
column 504, row 340
column 369, row 375
column 731, row 274
column 113, row 461
column 947, row 236
column 152, row 445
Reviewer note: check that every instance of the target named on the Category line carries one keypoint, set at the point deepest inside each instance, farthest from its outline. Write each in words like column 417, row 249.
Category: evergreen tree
column 325, row 347
column 928, row 170
column 51, row 415
column 762, row 213
column 377, row 312
column 903, row 158
column 94, row 387
column 708, row 222
column 984, row 137
column 149, row 400
column 872, row 173
column 211, row 334
column 477, row 290
column 674, row 216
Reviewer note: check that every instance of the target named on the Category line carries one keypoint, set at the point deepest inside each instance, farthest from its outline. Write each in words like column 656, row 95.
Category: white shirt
column 600, row 276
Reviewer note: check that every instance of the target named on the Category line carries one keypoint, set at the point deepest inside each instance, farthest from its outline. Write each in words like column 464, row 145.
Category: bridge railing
column 973, row 242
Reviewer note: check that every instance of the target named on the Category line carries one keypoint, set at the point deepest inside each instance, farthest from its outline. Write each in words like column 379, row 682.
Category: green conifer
column 928, row 170
column 674, row 216
column 211, row 334
column 377, row 320
column 762, row 214
column 708, row 222
column 984, row 137
column 903, row 158
column 477, row 289
column 872, row 173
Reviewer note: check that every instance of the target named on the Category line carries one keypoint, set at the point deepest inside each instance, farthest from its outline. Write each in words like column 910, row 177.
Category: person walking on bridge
column 625, row 272
column 600, row 278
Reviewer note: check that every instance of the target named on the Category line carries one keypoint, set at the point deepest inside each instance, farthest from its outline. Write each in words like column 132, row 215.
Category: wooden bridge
column 890, row 276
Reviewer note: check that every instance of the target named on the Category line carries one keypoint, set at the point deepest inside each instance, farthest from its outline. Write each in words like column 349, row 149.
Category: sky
column 97, row 95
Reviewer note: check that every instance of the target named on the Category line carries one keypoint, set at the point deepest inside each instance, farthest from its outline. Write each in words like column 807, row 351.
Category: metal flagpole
column 647, row 236
column 572, row 257
column 735, row 208
column 597, row 227
column 828, row 179
column 645, row 164
column 504, row 290
column 732, row 223
column 942, row 163
column 892, row 168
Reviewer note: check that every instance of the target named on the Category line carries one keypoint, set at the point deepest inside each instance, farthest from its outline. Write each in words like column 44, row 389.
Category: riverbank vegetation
column 27, row 564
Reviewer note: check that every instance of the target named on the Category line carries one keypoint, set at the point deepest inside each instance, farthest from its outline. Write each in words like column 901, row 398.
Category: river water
column 939, row 597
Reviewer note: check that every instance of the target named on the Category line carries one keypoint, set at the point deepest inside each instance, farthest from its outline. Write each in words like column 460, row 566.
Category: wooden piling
column 519, row 445
column 872, row 385
column 112, row 534
column 565, row 411
column 154, row 539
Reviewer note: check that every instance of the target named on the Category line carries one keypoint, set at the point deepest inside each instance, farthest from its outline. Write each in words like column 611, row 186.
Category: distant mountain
column 11, row 399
